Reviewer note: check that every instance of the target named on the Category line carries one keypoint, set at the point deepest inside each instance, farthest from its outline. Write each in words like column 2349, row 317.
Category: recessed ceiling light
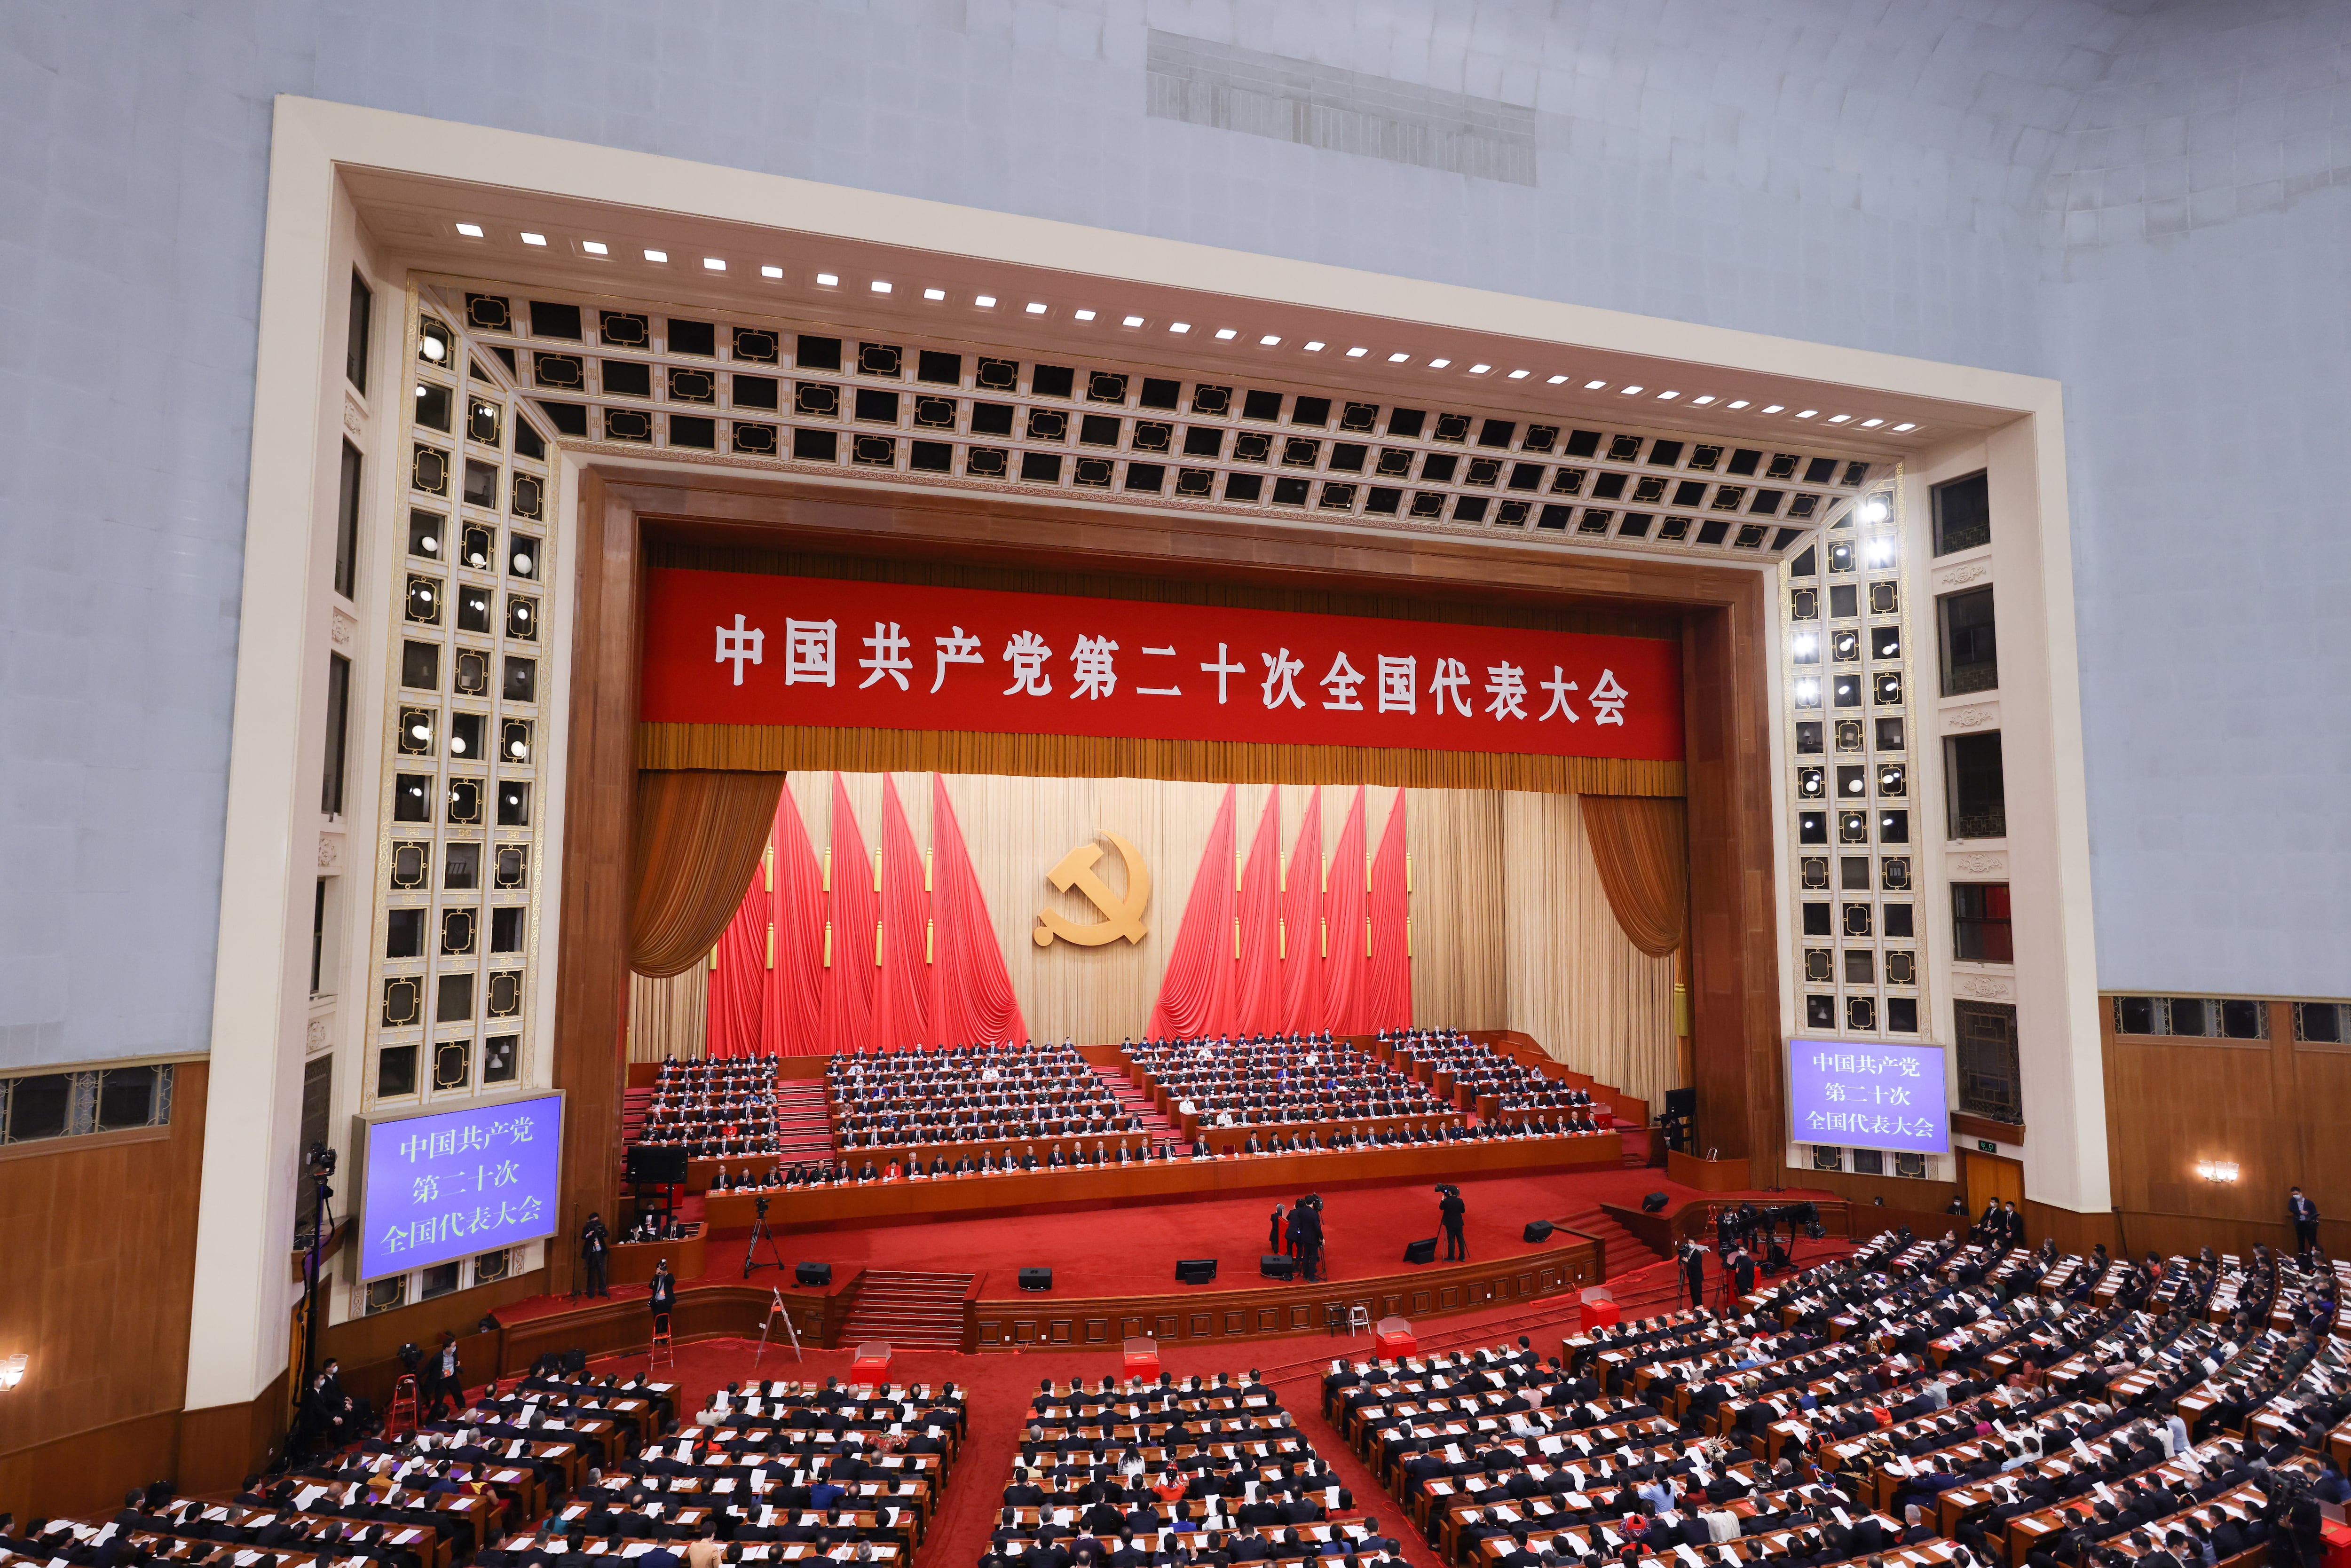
column 1357, row 353
column 712, row 264
column 1179, row 325
column 1269, row 340
column 1667, row 396
column 1554, row 381
column 1627, row 391
column 1774, row 407
column 1438, row 364
column 1702, row 401
column 592, row 246
column 1314, row 348
column 1479, row 370
column 471, row 231
column 1594, row 386
column 1398, row 359
column 985, row 301
column 656, row 256
column 827, row 279
column 1871, row 423
column 1906, row 427
column 1521, row 375
column 934, row 295
column 1224, row 333
column 1036, row 308
column 1085, row 315
column 1806, row 414
column 1131, row 321
column 771, row 272
column 879, row 287
column 1839, row 418
column 1737, row 402
column 529, row 239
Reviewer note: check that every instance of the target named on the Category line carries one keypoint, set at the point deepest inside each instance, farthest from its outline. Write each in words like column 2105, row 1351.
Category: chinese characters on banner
column 1868, row 1096
column 740, row 648
column 446, row 1186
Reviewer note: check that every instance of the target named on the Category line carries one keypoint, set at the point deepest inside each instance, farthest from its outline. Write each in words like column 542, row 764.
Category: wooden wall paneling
column 100, row 1235
column 1898, row 1192
column 598, row 815
column 369, row 1346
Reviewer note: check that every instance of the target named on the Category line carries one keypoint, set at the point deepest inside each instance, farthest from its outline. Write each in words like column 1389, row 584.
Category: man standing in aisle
column 595, row 1242
column 1694, row 1271
column 2304, row 1215
column 1452, row 1211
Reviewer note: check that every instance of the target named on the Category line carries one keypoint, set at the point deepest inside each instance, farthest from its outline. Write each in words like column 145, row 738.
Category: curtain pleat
column 739, row 984
column 796, row 908
column 1642, row 847
column 1192, row 994
column 971, row 991
column 1344, row 961
column 1257, row 917
column 698, row 838
column 846, row 1022
column 901, row 1001
column 1301, row 923
column 667, row 1017
column 1387, row 999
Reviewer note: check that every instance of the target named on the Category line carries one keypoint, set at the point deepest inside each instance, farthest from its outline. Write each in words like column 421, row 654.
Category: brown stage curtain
column 699, row 838
column 1642, row 846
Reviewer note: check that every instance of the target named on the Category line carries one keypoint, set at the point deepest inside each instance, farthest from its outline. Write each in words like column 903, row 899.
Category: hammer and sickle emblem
column 1121, row 916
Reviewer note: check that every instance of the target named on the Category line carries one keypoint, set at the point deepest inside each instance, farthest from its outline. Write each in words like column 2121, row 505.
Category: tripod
column 759, row 1232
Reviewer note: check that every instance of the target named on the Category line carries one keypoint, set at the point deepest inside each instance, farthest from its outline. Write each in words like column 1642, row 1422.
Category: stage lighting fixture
column 595, row 247
column 657, row 255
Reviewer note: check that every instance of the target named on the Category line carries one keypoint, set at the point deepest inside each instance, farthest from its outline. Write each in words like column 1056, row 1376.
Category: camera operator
column 595, row 1245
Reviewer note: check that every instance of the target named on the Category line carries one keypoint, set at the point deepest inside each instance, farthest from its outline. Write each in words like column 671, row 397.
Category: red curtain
column 1256, row 914
column 971, row 996
column 796, row 908
column 1344, row 962
column 1195, row 992
column 1387, row 999
column 1302, row 924
column 901, row 1004
column 739, row 985
column 846, row 1021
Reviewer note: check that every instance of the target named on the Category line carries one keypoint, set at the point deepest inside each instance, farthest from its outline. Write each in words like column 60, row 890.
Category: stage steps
column 1135, row 1101
column 803, row 1120
column 912, row 1311
column 1627, row 1253
column 634, row 1103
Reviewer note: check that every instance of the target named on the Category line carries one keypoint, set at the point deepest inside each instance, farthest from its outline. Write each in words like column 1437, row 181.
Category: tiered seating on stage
column 1284, row 1088
column 1475, row 1071
column 716, row 1109
column 1211, row 1468
column 925, row 1102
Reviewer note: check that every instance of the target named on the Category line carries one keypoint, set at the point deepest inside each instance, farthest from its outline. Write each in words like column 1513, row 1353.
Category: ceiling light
column 1871, row 423
column 1737, row 402
column 1521, row 375
column 1131, row 321
column 771, row 272
column 1036, row 308
column 1479, row 370
column 1267, row 341
column 879, row 287
column 1873, row 509
column 656, row 256
column 1085, row 315
column 1594, row 386
column 1627, row 391
column 985, row 301
column 1314, row 348
column 471, row 231
column 596, row 247
column 828, row 280
column 1225, row 334
column 1774, row 408
column 1554, row 381
column 1398, row 359
column 1881, row 552
column 529, row 239
column 1667, row 396
column 1806, row 414
column 1438, row 364
column 1839, row 418
column 1906, row 427
column 1702, row 401
column 1357, row 353
column 934, row 295
column 1179, row 325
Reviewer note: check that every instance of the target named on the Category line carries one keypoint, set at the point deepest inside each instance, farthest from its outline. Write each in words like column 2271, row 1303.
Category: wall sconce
column 12, row 1370
column 2217, row 1170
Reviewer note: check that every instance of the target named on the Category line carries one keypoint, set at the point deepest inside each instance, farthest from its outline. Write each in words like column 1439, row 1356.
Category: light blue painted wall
column 2137, row 196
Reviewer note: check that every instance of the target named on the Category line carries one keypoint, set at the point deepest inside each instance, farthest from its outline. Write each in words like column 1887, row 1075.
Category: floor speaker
column 1277, row 1266
column 1036, row 1278
column 1195, row 1270
column 1538, row 1230
column 812, row 1274
column 1421, row 1252
column 1652, row 1204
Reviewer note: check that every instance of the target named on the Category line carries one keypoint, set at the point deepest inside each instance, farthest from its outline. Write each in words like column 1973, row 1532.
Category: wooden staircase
column 911, row 1311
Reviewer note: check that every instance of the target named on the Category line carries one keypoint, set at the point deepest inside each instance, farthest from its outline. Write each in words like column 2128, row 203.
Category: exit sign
column 1987, row 1146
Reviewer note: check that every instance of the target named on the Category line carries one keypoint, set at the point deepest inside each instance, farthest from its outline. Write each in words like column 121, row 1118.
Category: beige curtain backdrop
column 1510, row 928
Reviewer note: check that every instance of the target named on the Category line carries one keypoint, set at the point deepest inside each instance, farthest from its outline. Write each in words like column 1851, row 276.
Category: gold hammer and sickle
column 1121, row 916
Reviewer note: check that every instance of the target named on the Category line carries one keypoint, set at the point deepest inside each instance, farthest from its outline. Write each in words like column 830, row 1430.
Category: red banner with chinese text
column 743, row 648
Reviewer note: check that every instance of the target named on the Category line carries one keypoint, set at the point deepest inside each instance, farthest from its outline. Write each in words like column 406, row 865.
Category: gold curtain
column 669, row 1017
column 698, row 839
column 1642, row 846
